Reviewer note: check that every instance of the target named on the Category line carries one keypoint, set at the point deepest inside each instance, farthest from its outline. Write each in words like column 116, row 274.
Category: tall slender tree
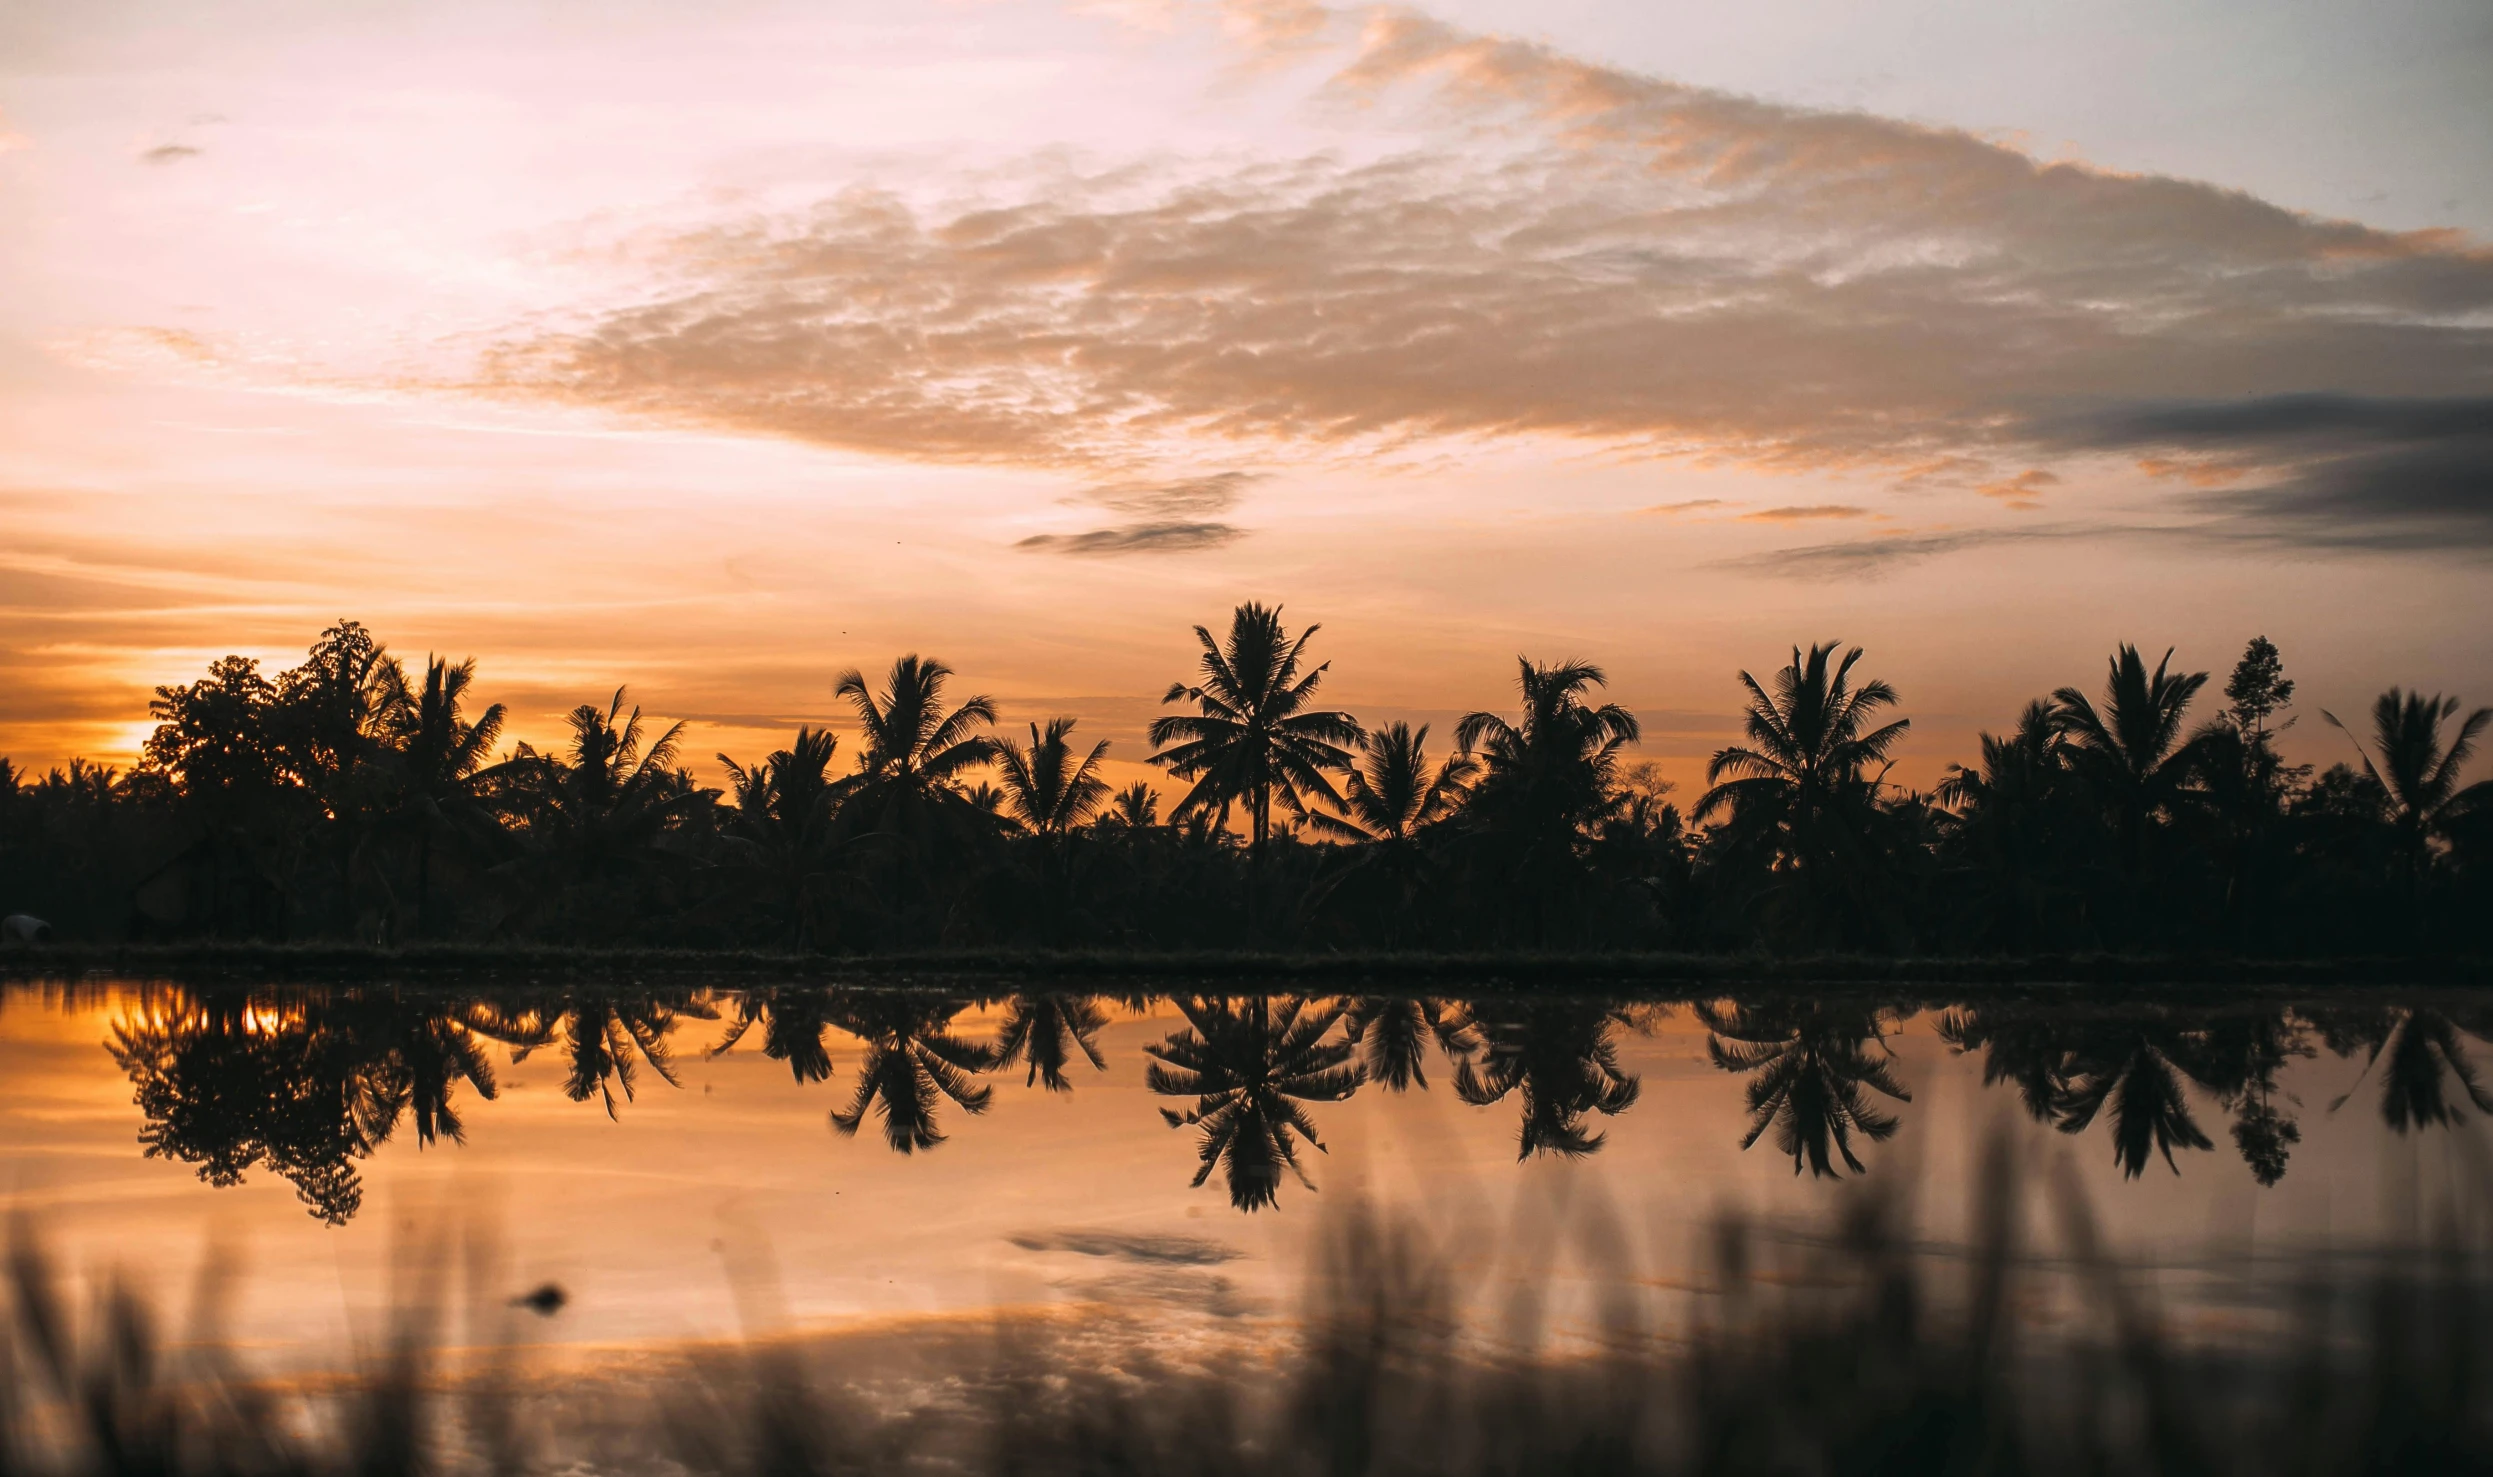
column 2130, row 750
column 443, row 766
column 1545, row 780
column 2418, row 771
column 1255, row 735
column 1047, row 787
column 1802, row 789
column 782, row 820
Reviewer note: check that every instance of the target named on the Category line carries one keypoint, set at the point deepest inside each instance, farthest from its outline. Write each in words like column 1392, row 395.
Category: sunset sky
column 714, row 349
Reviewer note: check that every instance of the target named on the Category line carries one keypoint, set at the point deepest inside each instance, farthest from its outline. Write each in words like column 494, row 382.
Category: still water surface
column 901, row 1156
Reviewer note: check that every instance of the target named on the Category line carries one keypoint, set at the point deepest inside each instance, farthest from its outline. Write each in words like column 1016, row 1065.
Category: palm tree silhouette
column 2130, row 751
column 2009, row 825
column 912, row 1062
column 1393, row 1033
column 907, row 792
column 442, row 765
column 1544, row 779
column 2419, row 775
column 417, row 1052
column 1389, row 797
column 1132, row 812
column 1253, row 736
column 1799, row 787
column 1248, row 1064
column 1390, row 794
column 1807, row 1066
column 1044, row 1028
column 1045, row 787
column 600, row 808
column 1558, row 1054
column 2020, row 1044
column 783, row 821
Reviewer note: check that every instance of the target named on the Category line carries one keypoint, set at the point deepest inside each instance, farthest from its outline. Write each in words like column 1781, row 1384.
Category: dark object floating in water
column 545, row 1302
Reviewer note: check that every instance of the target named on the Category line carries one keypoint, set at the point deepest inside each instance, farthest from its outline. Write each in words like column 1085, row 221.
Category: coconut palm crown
column 1390, row 794
column 2408, row 761
column 1810, row 740
column 1255, row 735
column 1046, row 787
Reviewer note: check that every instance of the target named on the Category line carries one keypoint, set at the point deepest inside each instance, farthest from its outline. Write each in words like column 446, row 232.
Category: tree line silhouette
column 308, row 1082
column 350, row 798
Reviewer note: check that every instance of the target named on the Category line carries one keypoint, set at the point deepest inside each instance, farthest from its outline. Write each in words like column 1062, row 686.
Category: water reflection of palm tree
column 2420, row 1057
column 2137, row 1067
column 912, row 1062
column 793, row 1020
column 1044, row 1028
column 2138, row 1064
column 1559, row 1055
column 2019, row 1045
column 1249, row 1064
column 604, row 1033
column 1807, row 1066
column 1393, row 1033
column 412, row 1056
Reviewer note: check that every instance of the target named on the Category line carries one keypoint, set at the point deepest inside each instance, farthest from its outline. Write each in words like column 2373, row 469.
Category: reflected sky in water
column 901, row 1155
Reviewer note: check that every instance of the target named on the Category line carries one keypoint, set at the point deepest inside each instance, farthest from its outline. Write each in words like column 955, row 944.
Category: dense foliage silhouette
column 345, row 798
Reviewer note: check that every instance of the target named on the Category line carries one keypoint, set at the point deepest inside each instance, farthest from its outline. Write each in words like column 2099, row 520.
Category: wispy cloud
column 1812, row 513
column 1216, row 492
column 1692, row 505
column 169, row 154
column 1870, row 558
column 1136, row 538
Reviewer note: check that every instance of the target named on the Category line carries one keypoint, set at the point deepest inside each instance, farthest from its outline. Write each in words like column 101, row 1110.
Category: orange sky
column 717, row 351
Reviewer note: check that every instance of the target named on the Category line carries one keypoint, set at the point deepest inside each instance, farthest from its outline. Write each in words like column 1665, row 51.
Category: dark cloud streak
column 1136, row 538
column 2332, row 471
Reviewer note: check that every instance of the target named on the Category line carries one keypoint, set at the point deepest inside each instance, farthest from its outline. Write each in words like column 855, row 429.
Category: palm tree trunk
column 424, row 883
